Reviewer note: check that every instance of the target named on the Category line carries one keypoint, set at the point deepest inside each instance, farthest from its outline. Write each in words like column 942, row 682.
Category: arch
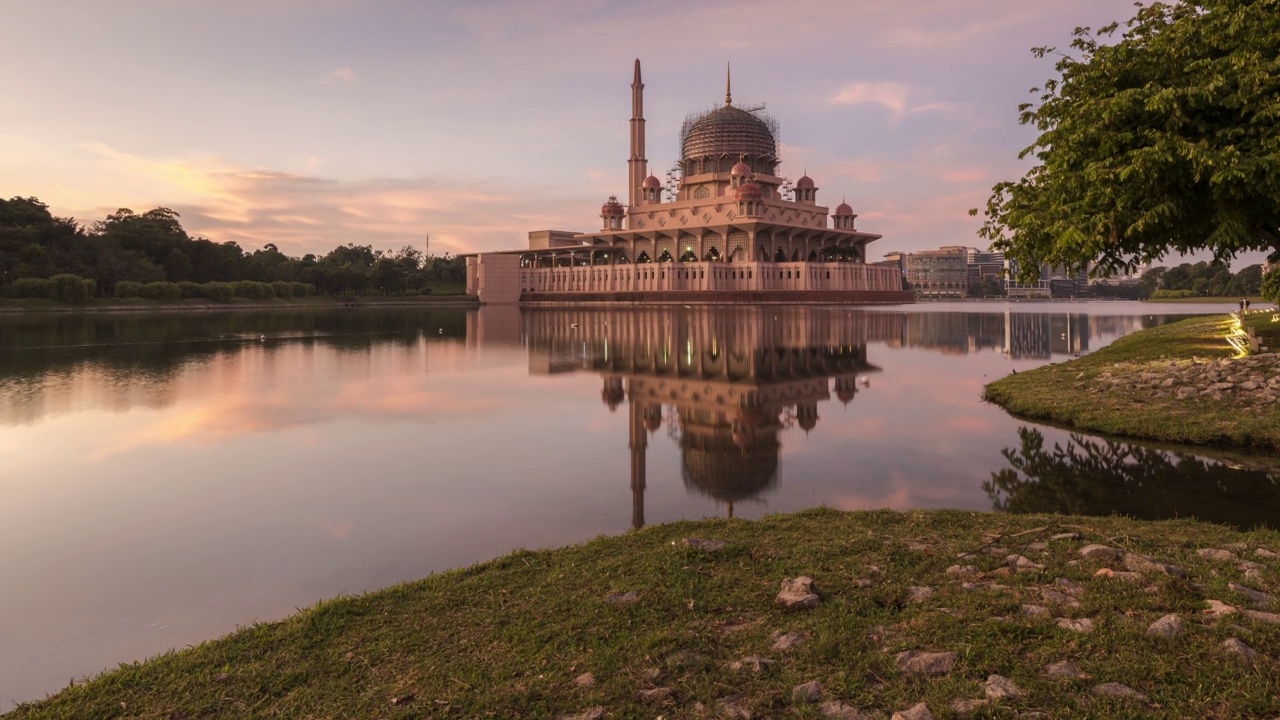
column 643, row 258
column 665, row 256
column 701, row 192
column 688, row 256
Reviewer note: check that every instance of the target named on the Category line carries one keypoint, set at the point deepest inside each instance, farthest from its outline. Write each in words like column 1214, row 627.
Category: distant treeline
column 150, row 255
column 1202, row 279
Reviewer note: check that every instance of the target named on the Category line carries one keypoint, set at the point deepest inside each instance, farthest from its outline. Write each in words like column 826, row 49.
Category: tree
column 1165, row 141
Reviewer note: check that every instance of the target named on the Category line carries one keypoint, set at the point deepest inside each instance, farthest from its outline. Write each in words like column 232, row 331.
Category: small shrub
column 1174, row 294
column 253, row 290
column 28, row 288
column 218, row 291
column 69, row 288
column 163, row 291
column 1270, row 290
column 190, row 289
column 301, row 289
column 282, row 289
column 129, row 289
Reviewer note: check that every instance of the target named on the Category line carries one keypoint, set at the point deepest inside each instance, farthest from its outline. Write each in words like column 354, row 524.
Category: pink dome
column 652, row 182
column 612, row 207
column 843, row 209
column 805, row 183
column 740, row 169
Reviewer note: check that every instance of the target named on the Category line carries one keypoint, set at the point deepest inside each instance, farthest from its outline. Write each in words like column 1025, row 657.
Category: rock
column 919, row 711
column 1120, row 690
column 797, row 594
column 753, row 663
column 1062, row 670
column 733, row 708
column 585, row 680
column 625, row 598
column 862, row 583
column 700, row 544
column 652, row 674
column 1256, row 597
column 1169, row 626
column 1143, row 564
column 1235, row 646
column 1064, row 536
column 841, row 711
column 1035, row 611
column 1119, row 575
column 1099, row 552
column 1247, row 565
column 403, row 699
column 786, row 640
column 1260, row 616
column 1069, row 586
column 1038, row 546
column 1253, row 574
column 1080, row 625
column 1053, row 597
column 964, row 708
column 918, row 594
column 916, row 546
column 1218, row 608
column 925, row 663
column 999, row 686
column 962, row 571
column 1022, row 564
column 809, row 692
column 655, row 695
column 1265, row 553
column 1216, row 554
column 594, row 713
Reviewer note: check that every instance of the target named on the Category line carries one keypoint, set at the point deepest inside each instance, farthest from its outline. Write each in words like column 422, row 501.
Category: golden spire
column 728, row 96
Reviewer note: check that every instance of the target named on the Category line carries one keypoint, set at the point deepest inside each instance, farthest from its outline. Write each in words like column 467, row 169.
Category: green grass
column 1057, row 392
column 1267, row 326
column 507, row 638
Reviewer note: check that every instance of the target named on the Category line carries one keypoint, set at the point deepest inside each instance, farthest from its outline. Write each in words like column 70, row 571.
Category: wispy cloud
column 893, row 96
column 342, row 75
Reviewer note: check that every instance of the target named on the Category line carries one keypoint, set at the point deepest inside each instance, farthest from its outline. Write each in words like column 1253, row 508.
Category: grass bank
column 647, row 624
column 40, row 305
column 1059, row 392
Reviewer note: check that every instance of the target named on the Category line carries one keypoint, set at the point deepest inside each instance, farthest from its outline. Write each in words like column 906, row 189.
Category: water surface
column 169, row 477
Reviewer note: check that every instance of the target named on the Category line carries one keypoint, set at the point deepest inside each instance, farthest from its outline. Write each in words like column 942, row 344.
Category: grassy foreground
column 515, row 636
column 1054, row 392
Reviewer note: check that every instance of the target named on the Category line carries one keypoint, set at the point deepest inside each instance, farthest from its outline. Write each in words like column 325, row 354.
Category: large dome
column 728, row 132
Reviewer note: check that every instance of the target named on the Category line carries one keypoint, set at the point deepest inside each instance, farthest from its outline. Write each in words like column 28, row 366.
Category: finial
column 728, row 96
column 637, row 78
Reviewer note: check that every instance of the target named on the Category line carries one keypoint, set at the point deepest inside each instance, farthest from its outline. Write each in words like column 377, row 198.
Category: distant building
column 940, row 273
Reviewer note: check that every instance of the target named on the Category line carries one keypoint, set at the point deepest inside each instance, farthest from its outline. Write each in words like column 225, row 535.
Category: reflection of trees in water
column 1091, row 476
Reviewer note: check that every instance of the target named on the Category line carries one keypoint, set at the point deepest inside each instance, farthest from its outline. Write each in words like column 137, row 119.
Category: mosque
column 727, row 227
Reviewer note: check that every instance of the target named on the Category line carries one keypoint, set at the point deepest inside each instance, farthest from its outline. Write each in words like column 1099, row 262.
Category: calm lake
column 169, row 477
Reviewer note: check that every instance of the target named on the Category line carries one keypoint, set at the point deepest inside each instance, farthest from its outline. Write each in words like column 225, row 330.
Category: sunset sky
column 312, row 123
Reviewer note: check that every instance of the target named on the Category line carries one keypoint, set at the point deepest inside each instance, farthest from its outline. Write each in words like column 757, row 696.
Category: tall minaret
column 637, row 165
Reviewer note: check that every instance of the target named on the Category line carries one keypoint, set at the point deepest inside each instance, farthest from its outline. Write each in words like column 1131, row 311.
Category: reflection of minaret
column 643, row 420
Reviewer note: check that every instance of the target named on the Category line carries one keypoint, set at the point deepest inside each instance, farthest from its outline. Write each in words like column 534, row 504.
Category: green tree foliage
column 1270, row 289
column 1167, row 140
column 1202, row 279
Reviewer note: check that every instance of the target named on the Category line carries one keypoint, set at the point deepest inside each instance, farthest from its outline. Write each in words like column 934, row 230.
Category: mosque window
column 701, row 192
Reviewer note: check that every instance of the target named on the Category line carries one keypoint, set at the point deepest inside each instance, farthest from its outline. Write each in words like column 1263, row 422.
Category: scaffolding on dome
column 770, row 122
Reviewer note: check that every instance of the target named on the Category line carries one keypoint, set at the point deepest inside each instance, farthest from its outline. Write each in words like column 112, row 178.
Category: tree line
column 126, row 253
column 1202, row 279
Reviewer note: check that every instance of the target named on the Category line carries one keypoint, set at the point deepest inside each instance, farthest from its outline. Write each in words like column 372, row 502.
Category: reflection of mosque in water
column 725, row 382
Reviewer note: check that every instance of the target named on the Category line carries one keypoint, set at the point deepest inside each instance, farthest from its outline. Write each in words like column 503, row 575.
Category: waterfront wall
column 708, row 277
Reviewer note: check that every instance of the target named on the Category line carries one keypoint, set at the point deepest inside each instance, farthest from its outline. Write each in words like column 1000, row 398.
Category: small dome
column 740, row 169
column 846, row 394
column 808, row 422
column 748, row 191
column 612, row 207
column 653, row 422
column 843, row 209
column 805, row 183
column 652, row 182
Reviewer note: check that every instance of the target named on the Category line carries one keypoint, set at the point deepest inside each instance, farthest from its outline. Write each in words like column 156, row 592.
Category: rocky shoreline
column 1250, row 380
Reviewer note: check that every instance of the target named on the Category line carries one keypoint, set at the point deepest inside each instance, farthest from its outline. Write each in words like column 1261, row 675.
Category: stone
column 797, row 594
column 919, row 594
column 733, row 708
column 916, row 546
column 1236, row 646
column 1260, row 616
column 809, row 692
column 594, row 713
column 585, row 680
column 752, row 663
column 1143, row 564
column 919, row 662
column 1259, row 599
column 1022, row 564
column 1169, row 626
column 1080, row 625
column 652, row 674
column 1099, row 552
column 1069, row 586
column 1216, row 554
column 919, row 711
column 1119, row 575
column 962, row 571
column 862, row 583
column 1038, row 546
column 785, row 641
column 1253, row 574
column 1062, row 670
column 999, row 686
column 1265, row 553
column 1247, row 565
column 701, row 544
column 965, row 708
column 625, row 598
column 1120, row 690
column 1053, row 597
column 1217, row 609
column 1035, row 611
column 837, row 710
column 654, row 696
column 1064, row 536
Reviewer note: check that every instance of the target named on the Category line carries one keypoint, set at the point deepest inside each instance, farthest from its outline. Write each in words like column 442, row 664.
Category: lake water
column 167, row 478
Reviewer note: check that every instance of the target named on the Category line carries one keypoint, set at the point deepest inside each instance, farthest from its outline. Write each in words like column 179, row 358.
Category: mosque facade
column 726, row 227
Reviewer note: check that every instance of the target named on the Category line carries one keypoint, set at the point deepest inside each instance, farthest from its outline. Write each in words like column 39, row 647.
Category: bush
column 129, row 289
column 282, row 289
column 27, row 288
column 301, row 289
column 218, row 291
column 253, row 290
column 69, row 288
column 163, row 291
column 1270, row 290
column 1174, row 294
column 190, row 289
